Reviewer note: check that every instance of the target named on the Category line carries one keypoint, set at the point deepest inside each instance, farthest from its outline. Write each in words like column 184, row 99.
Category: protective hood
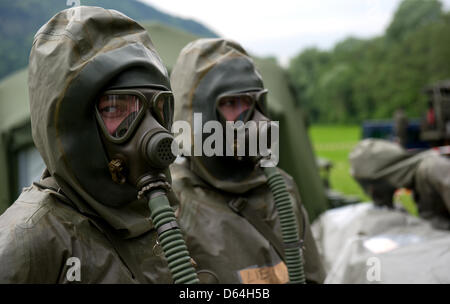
column 374, row 159
column 205, row 69
column 73, row 58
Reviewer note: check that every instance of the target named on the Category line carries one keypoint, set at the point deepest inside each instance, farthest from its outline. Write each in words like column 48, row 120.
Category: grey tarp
column 367, row 244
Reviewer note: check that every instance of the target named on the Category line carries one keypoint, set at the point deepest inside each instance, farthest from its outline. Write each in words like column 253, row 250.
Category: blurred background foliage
column 370, row 78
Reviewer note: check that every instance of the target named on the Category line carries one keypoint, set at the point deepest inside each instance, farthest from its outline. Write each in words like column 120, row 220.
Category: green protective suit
column 76, row 210
column 426, row 173
column 227, row 247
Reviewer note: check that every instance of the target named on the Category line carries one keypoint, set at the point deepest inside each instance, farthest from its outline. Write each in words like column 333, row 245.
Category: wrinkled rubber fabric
column 227, row 248
column 224, row 244
column 40, row 233
column 426, row 173
column 73, row 57
column 367, row 244
column 205, row 69
column 375, row 159
column 432, row 191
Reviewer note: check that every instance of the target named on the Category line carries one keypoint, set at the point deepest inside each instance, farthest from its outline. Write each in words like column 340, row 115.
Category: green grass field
column 334, row 142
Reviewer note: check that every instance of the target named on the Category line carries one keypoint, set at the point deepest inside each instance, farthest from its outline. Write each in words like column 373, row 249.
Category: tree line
column 371, row 78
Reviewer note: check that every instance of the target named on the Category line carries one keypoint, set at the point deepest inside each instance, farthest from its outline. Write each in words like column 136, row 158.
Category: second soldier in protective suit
column 227, row 210
column 382, row 167
column 101, row 108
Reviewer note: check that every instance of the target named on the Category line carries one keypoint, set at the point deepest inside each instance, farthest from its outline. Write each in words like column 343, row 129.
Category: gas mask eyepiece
column 240, row 106
column 120, row 111
column 135, row 126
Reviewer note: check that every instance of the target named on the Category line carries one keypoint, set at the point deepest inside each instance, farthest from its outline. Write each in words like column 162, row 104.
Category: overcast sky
column 282, row 28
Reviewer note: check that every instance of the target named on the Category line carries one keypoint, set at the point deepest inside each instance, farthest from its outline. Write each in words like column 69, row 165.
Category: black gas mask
column 232, row 91
column 135, row 124
column 242, row 108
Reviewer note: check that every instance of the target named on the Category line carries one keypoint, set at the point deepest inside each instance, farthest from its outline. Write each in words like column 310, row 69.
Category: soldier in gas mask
column 227, row 209
column 101, row 111
column 381, row 167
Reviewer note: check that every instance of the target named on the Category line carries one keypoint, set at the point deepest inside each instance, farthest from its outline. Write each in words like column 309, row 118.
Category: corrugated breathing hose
column 288, row 223
column 171, row 239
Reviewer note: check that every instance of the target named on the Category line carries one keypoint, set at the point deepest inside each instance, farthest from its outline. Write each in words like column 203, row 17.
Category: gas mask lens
column 240, row 106
column 163, row 108
column 235, row 108
column 119, row 111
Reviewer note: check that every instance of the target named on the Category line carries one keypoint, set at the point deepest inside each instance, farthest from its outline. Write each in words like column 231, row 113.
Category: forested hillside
column 20, row 20
column 360, row 79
